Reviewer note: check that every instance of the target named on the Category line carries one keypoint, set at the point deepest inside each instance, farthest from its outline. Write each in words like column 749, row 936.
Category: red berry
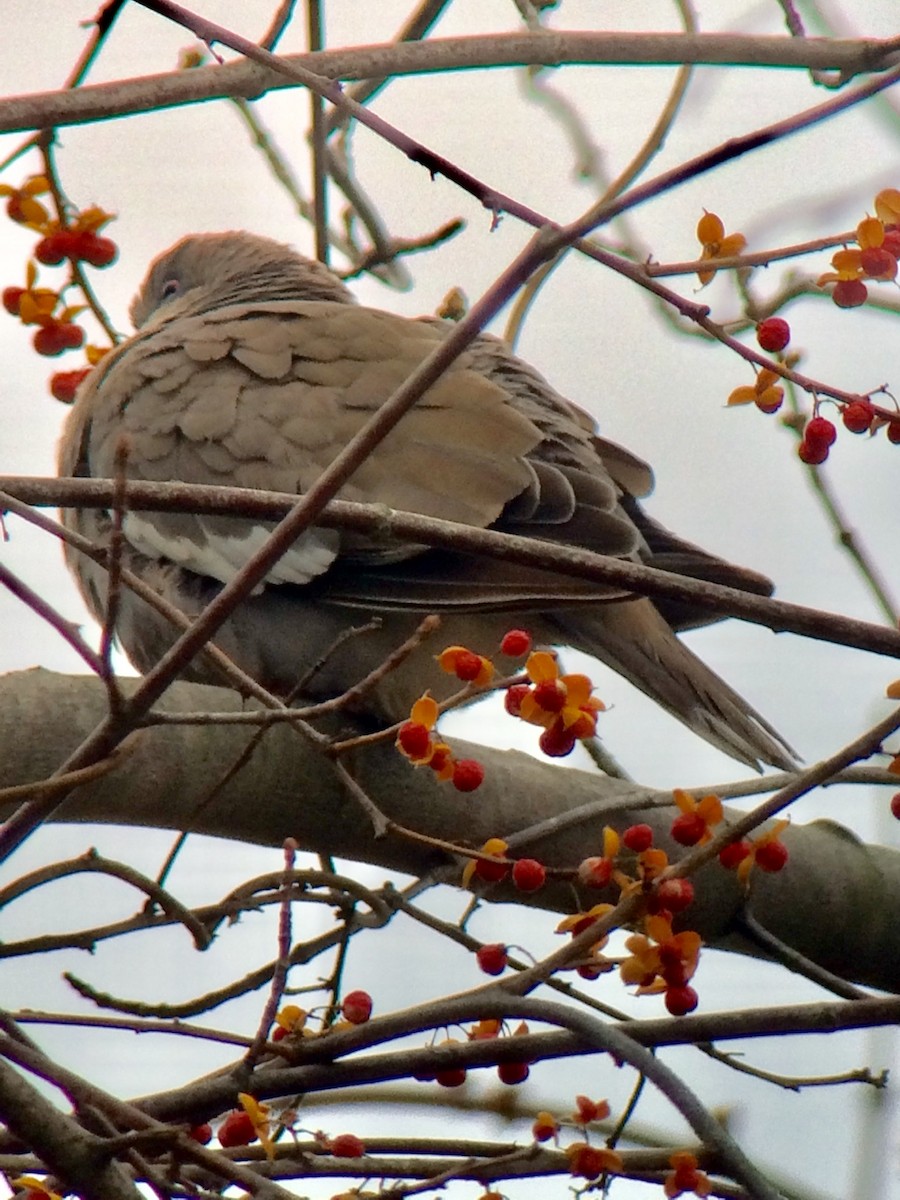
column 595, row 872
column 675, row 894
column 638, row 838
column 356, row 1007
column 771, row 856
column 492, row 958
column 414, row 738
column 858, row 416
column 64, row 384
column 681, row 1000
column 201, row 1133
column 12, row 297
column 770, row 400
column 72, row 335
column 468, row 774
column 891, row 241
column 489, row 871
column 48, row 340
column 773, row 334
column 878, row 263
column 346, row 1145
column 439, row 759
column 893, row 432
column 733, row 854
column 812, row 453
column 14, row 209
column 849, row 293
column 512, row 701
column 52, row 249
column 451, row 1077
column 528, row 874
column 545, row 1127
column 551, row 695
column 54, row 337
column 591, row 971
column 557, row 741
column 512, row 1072
column 237, row 1129
column 467, row 665
column 688, row 829
column 98, row 251
column 587, row 1161
column 516, row 643
column 895, row 805
column 819, row 430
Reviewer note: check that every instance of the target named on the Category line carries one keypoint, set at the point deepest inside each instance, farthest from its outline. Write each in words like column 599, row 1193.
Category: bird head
column 211, row 270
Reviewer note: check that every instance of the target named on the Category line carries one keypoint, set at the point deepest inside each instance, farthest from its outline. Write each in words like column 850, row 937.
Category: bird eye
column 170, row 288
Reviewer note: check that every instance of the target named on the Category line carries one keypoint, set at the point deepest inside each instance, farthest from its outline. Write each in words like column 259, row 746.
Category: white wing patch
column 222, row 557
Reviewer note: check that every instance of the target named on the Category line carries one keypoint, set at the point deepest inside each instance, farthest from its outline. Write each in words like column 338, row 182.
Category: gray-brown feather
column 253, row 366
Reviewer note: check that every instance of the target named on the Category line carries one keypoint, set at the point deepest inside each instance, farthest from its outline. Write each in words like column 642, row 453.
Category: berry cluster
column 874, row 257
column 585, row 1161
column 76, row 239
column 527, row 874
column 511, row 1072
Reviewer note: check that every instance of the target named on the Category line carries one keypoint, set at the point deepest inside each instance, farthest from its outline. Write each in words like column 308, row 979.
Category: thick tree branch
column 834, row 903
column 777, row 615
column 99, row 102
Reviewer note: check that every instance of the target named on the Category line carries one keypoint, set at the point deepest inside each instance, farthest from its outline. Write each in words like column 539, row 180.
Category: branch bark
column 99, row 102
column 834, row 903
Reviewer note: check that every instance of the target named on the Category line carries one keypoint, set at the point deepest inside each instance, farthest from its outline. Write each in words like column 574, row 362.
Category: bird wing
column 266, row 395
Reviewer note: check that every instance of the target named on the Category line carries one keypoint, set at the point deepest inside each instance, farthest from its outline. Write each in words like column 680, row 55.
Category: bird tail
column 634, row 640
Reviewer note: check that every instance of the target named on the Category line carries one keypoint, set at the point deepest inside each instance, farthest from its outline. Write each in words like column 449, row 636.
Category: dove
column 252, row 366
